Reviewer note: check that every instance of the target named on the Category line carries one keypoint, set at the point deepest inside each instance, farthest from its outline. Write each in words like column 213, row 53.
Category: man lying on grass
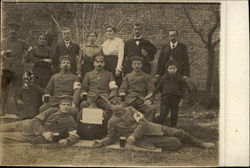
column 129, row 123
column 51, row 126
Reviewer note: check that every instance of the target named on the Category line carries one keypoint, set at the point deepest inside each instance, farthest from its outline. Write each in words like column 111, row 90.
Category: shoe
column 207, row 145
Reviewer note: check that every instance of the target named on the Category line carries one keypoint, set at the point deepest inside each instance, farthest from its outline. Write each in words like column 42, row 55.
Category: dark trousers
column 110, row 65
column 169, row 103
column 139, row 105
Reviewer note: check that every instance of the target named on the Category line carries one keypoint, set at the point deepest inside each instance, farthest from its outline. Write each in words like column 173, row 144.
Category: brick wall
column 156, row 20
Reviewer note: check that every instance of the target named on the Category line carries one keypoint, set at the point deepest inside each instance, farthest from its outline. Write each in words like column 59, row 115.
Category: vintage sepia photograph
column 110, row 83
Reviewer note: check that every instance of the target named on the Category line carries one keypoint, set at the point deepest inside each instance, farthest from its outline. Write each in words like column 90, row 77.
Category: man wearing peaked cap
column 62, row 83
column 51, row 126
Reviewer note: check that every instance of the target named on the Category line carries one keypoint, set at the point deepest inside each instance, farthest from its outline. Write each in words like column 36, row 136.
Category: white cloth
column 114, row 47
column 67, row 43
column 173, row 45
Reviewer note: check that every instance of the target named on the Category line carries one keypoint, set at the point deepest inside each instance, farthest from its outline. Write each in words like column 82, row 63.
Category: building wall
column 156, row 20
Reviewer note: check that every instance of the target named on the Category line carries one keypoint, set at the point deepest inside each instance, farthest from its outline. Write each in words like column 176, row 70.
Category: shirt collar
column 137, row 38
column 96, row 72
column 88, row 44
column 175, row 44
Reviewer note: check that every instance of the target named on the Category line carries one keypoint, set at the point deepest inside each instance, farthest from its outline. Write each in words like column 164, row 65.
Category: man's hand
column 63, row 142
column 148, row 103
column 19, row 102
column 131, row 140
column 144, row 52
column 48, row 136
column 97, row 144
column 48, row 60
column 117, row 73
column 73, row 105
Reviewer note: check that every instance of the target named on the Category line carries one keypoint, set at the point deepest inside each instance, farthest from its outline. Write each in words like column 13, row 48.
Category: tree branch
column 215, row 26
column 199, row 32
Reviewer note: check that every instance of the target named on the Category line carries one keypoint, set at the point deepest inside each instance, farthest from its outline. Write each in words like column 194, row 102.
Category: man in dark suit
column 176, row 51
column 66, row 47
column 138, row 46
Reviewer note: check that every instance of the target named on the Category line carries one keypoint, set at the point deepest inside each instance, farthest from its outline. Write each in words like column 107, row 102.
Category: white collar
column 175, row 44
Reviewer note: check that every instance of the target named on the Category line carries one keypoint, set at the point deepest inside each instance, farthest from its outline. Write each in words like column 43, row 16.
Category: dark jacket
column 61, row 50
column 180, row 56
column 131, row 49
column 171, row 84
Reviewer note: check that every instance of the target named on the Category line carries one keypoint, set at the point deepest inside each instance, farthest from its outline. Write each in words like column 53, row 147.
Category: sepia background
column 198, row 25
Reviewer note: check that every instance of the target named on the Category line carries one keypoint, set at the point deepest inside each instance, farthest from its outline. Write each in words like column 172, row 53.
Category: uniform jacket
column 131, row 49
column 130, row 122
column 61, row 50
column 97, row 83
column 55, row 121
column 18, row 48
column 62, row 84
column 136, row 85
column 180, row 56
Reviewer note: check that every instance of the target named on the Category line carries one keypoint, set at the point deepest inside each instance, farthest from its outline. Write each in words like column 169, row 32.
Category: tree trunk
column 210, row 71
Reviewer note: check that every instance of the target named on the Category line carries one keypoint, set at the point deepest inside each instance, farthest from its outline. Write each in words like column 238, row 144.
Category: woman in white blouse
column 113, row 50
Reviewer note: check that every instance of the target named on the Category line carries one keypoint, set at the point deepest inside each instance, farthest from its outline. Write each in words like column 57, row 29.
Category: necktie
column 173, row 46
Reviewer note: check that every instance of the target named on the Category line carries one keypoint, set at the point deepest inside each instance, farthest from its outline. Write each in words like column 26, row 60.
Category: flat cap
column 65, row 98
column 64, row 58
column 136, row 58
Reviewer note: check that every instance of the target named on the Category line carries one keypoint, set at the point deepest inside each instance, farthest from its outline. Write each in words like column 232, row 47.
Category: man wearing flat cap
column 98, row 85
column 131, row 124
column 12, row 51
column 51, row 126
column 62, row 83
column 136, row 86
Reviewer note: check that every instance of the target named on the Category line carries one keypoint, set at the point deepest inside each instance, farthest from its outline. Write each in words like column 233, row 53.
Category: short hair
column 65, row 28
column 112, row 27
column 170, row 63
column 42, row 34
column 94, row 32
column 137, row 25
column 177, row 33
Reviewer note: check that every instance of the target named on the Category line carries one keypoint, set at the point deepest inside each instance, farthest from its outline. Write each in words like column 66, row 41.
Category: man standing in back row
column 140, row 47
column 174, row 51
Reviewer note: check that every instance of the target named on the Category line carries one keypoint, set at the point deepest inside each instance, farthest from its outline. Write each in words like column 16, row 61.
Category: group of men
column 56, row 121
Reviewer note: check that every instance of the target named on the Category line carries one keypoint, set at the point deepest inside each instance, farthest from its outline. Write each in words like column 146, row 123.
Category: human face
column 92, row 38
column 173, row 36
column 66, row 35
column 65, row 65
column 13, row 32
column 41, row 40
column 137, row 31
column 172, row 69
column 110, row 33
column 136, row 65
column 99, row 64
column 116, row 106
column 65, row 107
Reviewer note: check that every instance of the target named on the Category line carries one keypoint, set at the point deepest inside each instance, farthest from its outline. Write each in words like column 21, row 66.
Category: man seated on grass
column 136, row 86
column 51, row 126
column 131, row 124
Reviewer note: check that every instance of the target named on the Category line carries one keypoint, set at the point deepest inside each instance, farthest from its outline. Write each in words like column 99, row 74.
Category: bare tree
column 209, row 42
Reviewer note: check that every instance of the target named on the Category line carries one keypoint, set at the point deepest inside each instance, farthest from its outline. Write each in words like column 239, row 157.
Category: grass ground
column 79, row 156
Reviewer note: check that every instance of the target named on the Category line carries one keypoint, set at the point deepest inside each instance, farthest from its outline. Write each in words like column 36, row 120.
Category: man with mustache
column 174, row 51
column 62, row 83
column 141, row 47
column 98, row 85
column 12, row 52
column 136, row 86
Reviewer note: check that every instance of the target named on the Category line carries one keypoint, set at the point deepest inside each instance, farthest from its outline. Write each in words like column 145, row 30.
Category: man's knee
column 180, row 134
column 172, row 143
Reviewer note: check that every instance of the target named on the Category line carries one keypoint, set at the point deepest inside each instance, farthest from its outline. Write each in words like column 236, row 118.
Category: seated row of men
column 99, row 89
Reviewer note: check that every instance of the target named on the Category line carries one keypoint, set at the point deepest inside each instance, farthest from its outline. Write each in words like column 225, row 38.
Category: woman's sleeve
column 120, row 55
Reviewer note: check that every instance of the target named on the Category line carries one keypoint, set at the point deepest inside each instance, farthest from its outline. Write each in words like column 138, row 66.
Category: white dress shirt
column 67, row 43
column 173, row 45
column 114, row 47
